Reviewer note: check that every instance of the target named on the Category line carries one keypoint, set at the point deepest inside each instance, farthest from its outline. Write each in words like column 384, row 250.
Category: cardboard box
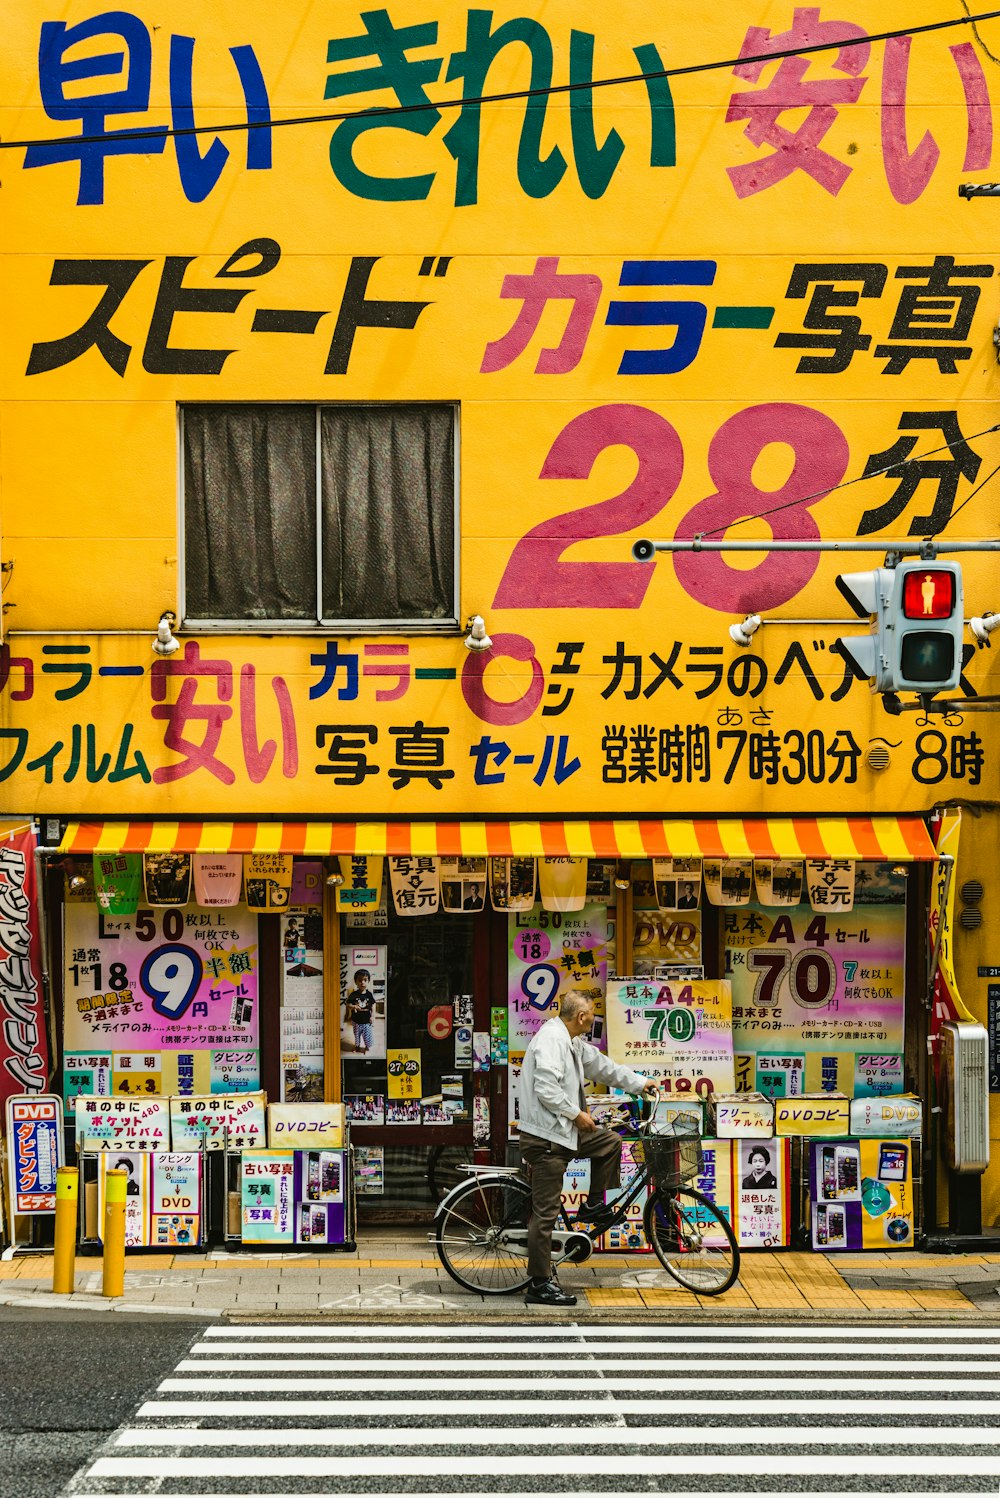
column 821, row 1115
column 899, row 1117
column 744, row 1115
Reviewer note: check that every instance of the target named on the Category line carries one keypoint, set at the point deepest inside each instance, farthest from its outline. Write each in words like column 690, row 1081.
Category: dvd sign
column 34, row 1152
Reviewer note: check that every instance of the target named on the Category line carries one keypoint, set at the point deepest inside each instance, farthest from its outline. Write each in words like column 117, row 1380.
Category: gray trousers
column 546, row 1164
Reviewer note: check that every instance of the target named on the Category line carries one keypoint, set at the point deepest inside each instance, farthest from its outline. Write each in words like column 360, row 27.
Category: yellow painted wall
column 88, row 456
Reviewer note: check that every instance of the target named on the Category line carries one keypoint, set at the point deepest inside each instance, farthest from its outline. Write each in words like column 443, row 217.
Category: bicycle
column 481, row 1226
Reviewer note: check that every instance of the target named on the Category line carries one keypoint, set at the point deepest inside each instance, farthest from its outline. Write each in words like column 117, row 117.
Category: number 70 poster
column 679, row 1034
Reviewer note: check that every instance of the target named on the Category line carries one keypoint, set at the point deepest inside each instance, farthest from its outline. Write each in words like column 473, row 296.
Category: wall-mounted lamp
column 334, row 877
column 477, row 639
column 165, row 644
column 741, row 634
column 622, row 880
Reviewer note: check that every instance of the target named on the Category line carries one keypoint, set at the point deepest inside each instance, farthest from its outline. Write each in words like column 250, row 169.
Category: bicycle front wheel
column 481, row 1235
column 692, row 1240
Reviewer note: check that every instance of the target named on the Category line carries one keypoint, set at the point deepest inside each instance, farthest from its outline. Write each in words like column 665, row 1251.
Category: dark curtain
column 250, row 512
column 388, row 512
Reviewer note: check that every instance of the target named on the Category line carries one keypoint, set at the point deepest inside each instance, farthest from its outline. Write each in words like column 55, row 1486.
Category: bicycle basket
column 672, row 1161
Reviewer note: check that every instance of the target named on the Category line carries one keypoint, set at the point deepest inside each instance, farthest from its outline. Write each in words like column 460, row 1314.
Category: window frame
column 448, row 625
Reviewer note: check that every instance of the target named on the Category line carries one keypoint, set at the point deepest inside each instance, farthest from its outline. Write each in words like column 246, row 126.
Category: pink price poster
column 160, row 980
column 549, row 954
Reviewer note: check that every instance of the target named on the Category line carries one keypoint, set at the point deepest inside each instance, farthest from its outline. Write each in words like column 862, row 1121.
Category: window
column 339, row 515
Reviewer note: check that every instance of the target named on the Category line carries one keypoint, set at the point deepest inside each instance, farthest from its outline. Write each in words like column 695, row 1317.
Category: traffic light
column 916, row 617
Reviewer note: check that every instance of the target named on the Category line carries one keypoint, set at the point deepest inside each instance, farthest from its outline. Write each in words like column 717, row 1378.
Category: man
column 556, row 1126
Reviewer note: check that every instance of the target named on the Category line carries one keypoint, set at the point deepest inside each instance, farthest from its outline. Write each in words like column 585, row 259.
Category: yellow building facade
column 327, row 330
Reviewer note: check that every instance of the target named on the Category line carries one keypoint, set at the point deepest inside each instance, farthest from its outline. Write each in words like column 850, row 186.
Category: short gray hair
column 571, row 1004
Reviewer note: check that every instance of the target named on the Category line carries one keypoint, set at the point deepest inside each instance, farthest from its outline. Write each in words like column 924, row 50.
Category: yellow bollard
column 115, row 1183
column 64, row 1254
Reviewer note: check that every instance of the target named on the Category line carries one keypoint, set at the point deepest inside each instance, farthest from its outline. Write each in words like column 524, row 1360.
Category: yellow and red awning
column 889, row 839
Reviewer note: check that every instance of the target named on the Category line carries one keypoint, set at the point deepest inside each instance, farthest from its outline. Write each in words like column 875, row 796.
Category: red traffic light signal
column 929, row 593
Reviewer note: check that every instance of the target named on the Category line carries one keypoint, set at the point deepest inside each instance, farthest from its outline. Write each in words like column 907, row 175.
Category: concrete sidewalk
column 401, row 1274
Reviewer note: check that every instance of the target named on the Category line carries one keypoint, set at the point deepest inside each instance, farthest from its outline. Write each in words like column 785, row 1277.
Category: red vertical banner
column 24, row 1051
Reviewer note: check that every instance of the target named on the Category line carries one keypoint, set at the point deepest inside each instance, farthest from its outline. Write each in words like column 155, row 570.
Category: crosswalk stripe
column 254, row 1409
column 516, row 1464
column 406, row 1439
column 681, row 1382
column 484, row 1345
column 540, row 1367
column 581, row 1330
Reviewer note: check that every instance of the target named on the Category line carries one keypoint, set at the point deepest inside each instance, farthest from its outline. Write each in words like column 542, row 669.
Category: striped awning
column 892, row 839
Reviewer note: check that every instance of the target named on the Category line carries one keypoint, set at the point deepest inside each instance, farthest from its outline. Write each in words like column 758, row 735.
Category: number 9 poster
column 680, row 1034
column 163, row 1002
column 553, row 953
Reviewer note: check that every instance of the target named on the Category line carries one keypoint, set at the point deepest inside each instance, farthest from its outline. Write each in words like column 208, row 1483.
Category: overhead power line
column 392, row 111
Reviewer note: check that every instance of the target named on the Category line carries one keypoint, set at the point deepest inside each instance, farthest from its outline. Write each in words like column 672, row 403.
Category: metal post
column 115, row 1186
column 64, row 1254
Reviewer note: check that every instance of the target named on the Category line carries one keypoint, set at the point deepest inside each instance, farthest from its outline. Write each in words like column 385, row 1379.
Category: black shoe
column 599, row 1218
column 548, row 1293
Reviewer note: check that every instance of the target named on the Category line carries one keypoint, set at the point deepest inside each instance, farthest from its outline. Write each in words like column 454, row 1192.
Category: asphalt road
column 68, row 1381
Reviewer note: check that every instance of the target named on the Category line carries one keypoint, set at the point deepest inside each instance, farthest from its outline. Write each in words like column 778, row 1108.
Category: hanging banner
column 307, row 882
column 24, row 1050
column 677, row 883
column 166, row 878
column 185, row 984
column 416, row 885
column 371, row 917
column 34, row 1152
column 512, row 883
column 404, row 1073
column 267, row 878
column 830, row 883
column 562, row 883
column 814, row 993
column 545, row 961
column 463, row 884
column 363, row 1001
column 728, row 883
column 679, row 1034
column 117, row 881
column 947, row 1002
column 218, row 878
column 361, row 889
column 778, row 881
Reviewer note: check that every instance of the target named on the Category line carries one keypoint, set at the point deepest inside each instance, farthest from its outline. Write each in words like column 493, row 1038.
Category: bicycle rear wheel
column 481, row 1234
column 692, row 1240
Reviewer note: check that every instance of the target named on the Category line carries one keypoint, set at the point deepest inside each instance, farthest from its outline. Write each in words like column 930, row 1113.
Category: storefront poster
column 175, row 1200
column 415, row 884
column 305, row 1125
column 761, row 1192
column 132, row 1123
column 302, row 1029
column 24, row 1052
column 363, row 1001
column 498, row 1036
column 34, row 1152
column 515, row 1063
column 512, row 883
column 267, row 880
column 402, row 1110
column 137, row 1168
column 171, row 995
column 218, row 878
column 234, row 1122
column 550, row 955
column 369, row 1169
column 714, row 1180
column 166, row 878
column 664, row 939
column 677, row 883
column 403, row 1066
column 365, row 1107
column 267, row 1196
column 86, row 1075
column 679, row 1034
column 819, row 986
column 481, row 1121
column 307, row 883
column 861, row 1193
column 302, row 961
